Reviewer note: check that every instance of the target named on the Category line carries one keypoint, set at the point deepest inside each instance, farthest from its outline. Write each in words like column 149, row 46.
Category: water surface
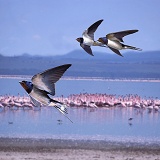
column 87, row 122
column 67, row 87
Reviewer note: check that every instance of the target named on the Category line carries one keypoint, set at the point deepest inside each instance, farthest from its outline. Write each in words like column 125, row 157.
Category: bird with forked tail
column 114, row 41
column 43, row 84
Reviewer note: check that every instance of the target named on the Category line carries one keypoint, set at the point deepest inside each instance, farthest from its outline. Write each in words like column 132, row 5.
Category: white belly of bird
column 88, row 42
column 115, row 45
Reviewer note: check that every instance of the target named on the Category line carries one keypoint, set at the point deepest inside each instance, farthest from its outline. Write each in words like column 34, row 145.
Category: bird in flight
column 114, row 41
column 87, row 39
column 43, row 84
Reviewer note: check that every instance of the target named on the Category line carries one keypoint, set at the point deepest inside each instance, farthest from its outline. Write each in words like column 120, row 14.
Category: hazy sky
column 50, row 27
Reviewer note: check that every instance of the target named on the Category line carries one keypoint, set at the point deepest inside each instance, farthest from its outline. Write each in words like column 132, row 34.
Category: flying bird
column 87, row 39
column 43, row 84
column 114, row 41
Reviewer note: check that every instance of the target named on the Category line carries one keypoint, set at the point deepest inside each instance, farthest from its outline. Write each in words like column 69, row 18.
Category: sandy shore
column 58, row 149
column 79, row 154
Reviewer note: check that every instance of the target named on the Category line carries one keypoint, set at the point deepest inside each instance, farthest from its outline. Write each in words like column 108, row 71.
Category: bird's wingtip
column 69, row 65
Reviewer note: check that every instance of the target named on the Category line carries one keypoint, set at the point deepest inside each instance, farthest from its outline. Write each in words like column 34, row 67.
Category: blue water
column 67, row 87
column 97, row 123
column 87, row 122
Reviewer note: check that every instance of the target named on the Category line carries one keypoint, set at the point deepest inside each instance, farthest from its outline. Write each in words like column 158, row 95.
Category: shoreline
column 76, row 150
column 87, row 78
column 48, row 144
column 79, row 154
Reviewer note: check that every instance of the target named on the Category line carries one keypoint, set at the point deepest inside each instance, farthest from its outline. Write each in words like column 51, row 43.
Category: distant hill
column 132, row 65
column 132, row 56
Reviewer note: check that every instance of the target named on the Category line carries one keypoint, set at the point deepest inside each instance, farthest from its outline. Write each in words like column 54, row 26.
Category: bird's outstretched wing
column 39, row 96
column 35, row 102
column 90, row 31
column 87, row 49
column 116, row 51
column 118, row 36
column 47, row 79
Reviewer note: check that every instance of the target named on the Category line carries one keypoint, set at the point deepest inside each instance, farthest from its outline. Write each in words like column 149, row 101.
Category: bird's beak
column 23, row 84
column 99, row 40
column 78, row 39
column 20, row 82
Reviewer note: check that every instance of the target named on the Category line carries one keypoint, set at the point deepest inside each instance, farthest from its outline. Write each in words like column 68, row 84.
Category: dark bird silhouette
column 130, row 119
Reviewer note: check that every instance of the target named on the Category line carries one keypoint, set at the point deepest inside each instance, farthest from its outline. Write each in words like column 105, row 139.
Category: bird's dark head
column 103, row 40
column 80, row 40
column 100, row 40
column 28, row 86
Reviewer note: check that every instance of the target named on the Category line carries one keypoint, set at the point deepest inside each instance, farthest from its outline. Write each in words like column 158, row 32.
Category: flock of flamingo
column 86, row 100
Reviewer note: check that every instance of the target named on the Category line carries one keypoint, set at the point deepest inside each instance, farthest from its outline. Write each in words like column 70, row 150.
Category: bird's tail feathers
column 60, row 107
column 131, row 47
column 54, row 101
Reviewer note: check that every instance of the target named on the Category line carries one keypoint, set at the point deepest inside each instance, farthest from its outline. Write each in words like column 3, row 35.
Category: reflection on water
column 48, row 122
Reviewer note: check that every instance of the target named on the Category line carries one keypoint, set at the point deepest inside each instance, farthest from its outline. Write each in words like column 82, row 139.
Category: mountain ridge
column 80, row 54
column 132, row 65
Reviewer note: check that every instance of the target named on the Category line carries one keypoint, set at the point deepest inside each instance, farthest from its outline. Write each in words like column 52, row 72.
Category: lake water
column 67, row 87
column 87, row 122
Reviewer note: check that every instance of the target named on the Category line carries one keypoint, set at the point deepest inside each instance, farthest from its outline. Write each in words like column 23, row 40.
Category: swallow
column 115, row 42
column 43, row 85
column 87, row 39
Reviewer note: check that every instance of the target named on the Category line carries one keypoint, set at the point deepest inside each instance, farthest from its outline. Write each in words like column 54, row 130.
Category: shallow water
column 97, row 123
column 87, row 122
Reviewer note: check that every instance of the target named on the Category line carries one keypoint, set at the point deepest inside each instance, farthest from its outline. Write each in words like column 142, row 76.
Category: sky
column 50, row 27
